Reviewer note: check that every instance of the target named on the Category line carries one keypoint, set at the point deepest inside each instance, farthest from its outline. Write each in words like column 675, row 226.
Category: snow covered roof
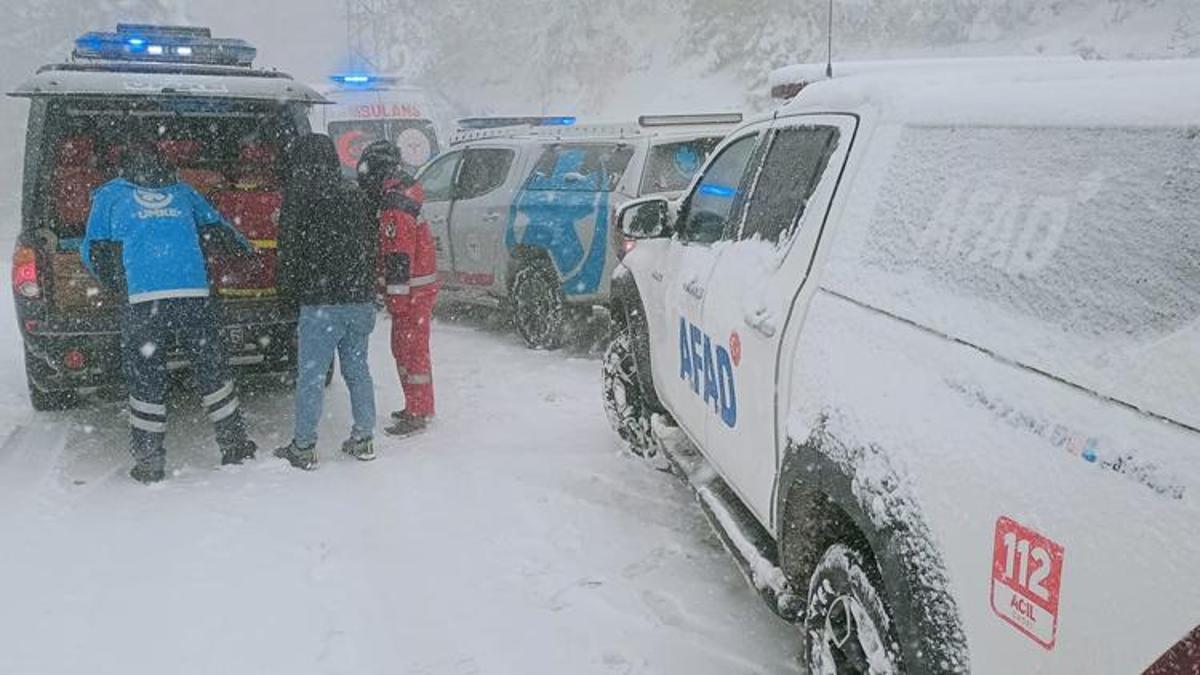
column 1008, row 92
column 173, row 80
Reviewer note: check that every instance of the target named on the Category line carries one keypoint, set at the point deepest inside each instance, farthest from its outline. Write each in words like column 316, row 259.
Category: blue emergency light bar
column 364, row 80
column 164, row 44
column 496, row 122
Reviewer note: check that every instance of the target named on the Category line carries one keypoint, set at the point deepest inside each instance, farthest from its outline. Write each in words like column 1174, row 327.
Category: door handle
column 765, row 329
column 491, row 217
column 694, row 289
column 760, row 322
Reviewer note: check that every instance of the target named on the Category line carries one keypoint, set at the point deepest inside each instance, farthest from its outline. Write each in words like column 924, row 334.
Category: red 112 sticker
column 1026, row 577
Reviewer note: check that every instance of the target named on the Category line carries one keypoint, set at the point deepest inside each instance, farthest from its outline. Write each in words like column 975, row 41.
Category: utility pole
column 371, row 27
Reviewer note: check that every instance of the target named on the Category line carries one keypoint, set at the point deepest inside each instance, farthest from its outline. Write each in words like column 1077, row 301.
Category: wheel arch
column 827, row 494
column 628, row 312
column 523, row 254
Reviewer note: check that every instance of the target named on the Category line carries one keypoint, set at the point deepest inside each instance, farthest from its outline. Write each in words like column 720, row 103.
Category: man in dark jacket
column 146, row 236
column 327, row 254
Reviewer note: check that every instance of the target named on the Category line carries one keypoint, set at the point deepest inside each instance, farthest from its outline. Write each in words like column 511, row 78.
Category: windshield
column 580, row 168
column 671, row 166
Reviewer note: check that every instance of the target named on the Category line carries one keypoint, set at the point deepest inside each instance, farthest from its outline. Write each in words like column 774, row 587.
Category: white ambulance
column 934, row 337
column 367, row 108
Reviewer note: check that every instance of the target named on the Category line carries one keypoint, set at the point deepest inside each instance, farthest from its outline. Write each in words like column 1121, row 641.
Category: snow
column 1067, row 250
column 1016, row 92
column 764, row 574
column 514, row 538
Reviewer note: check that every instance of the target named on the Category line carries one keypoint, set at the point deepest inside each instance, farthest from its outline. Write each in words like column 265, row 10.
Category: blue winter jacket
column 159, row 233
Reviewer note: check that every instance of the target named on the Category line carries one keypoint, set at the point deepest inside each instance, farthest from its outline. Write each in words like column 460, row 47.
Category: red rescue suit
column 409, row 270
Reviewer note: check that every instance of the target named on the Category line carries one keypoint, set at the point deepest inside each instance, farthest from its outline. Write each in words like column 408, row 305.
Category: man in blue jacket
column 145, row 238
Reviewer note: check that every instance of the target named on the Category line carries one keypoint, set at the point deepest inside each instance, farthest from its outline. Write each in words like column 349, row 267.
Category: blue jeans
column 323, row 330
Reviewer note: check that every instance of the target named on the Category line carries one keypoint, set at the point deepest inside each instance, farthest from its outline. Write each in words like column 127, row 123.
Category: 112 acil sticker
column 1026, row 577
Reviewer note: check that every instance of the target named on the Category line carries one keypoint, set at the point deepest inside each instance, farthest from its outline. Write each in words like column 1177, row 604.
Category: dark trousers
column 149, row 330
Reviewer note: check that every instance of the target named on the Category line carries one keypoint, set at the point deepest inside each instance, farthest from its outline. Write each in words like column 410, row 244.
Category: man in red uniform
column 409, row 272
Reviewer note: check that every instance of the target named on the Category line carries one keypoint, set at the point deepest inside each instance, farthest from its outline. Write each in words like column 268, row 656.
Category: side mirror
column 647, row 218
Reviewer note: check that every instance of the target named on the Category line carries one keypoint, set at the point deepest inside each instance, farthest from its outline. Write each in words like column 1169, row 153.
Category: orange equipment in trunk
column 252, row 204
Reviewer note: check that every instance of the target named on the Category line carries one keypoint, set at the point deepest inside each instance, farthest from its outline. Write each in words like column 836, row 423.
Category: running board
column 749, row 543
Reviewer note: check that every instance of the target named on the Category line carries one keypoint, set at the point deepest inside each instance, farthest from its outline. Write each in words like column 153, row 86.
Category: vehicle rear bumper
column 258, row 337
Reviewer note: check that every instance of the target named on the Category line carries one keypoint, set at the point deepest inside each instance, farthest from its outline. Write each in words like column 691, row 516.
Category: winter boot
column 362, row 449
column 238, row 453
column 147, row 474
column 407, row 425
column 301, row 458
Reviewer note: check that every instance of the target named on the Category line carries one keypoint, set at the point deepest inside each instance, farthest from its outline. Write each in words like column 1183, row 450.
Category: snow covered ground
column 514, row 538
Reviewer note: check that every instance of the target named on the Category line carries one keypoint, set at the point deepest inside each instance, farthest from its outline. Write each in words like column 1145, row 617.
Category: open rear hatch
column 229, row 150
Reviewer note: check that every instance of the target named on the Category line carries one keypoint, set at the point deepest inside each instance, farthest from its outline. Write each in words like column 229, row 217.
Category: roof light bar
column 533, row 121
column 164, row 44
column 364, row 80
column 682, row 120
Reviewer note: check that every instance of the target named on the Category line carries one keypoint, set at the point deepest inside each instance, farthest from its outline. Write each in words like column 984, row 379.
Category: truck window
column 794, row 164
column 438, row 178
column 670, row 167
column 712, row 204
column 483, row 170
column 580, row 168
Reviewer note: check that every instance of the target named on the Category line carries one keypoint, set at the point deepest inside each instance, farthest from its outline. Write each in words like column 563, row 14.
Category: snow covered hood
column 158, row 83
column 1008, row 92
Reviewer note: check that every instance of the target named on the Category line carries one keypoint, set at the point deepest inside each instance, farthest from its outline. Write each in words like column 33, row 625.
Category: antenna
column 829, row 51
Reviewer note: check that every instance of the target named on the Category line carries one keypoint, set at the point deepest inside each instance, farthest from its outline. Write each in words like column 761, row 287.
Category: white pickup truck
column 936, row 333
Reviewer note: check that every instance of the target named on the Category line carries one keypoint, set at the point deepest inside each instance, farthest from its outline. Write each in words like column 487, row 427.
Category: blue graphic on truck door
column 564, row 210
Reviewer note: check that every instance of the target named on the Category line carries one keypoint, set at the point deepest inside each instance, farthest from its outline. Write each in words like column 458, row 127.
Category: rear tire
column 625, row 403
column 539, row 308
column 847, row 627
column 47, row 401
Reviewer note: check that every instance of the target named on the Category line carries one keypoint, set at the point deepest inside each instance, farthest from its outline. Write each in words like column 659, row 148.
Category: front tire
column 625, row 403
column 539, row 306
column 847, row 628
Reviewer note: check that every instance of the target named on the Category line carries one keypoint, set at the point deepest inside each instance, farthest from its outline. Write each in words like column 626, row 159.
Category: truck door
column 564, row 209
column 438, row 181
column 482, row 195
column 678, row 342
column 756, row 292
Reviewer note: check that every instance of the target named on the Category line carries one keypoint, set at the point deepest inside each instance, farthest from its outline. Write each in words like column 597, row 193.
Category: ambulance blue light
column 355, row 79
column 558, row 121
column 136, row 42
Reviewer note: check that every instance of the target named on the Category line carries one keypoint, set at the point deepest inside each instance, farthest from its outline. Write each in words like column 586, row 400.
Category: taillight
column 74, row 359
column 25, row 273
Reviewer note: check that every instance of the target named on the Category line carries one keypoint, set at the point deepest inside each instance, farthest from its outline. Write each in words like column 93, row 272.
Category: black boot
column 238, row 453
column 147, row 474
